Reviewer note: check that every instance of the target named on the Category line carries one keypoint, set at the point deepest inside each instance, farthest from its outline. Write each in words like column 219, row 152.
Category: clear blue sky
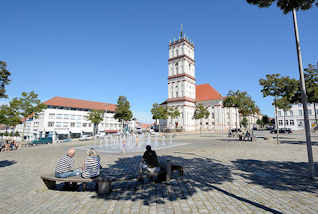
column 99, row 50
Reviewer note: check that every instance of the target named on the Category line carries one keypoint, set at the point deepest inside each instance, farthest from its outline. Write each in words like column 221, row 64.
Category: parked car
column 282, row 130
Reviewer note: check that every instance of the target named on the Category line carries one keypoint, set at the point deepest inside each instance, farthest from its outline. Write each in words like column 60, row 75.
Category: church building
column 184, row 93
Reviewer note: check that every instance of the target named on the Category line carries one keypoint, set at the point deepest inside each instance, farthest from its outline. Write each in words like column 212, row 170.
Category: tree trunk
column 277, row 131
column 304, row 99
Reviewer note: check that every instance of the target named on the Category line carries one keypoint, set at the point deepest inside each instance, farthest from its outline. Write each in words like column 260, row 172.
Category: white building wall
column 294, row 118
column 65, row 121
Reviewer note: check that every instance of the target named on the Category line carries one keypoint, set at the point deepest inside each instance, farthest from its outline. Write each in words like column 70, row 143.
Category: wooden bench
column 103, row 185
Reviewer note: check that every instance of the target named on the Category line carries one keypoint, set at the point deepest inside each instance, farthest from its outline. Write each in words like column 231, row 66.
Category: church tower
column 181, row 81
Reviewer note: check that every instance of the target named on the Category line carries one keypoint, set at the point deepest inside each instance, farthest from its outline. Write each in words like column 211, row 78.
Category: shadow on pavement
column 6, row 163
column 296, row 142
column 200, row 174
column 283, row 176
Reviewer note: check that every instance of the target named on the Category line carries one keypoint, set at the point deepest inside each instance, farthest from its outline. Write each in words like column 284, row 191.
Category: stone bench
column 103, row 185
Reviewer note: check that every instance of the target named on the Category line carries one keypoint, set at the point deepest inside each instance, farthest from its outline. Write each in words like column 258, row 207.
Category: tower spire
column 181, row 32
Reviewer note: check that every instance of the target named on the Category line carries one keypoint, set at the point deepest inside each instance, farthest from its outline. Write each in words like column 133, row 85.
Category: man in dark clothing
column 150, row 158
column 149, row 163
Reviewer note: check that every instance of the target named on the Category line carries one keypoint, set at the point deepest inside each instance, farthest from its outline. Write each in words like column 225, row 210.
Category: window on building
column 177, row 68
column 309, row 112
column 279, row 113
column 78, row 124
column 73, row 117
column 291, row 113
column 316, row 111
column 58, row 124
column 78, row 117
column 59, row 116
column 177, row 94
column 286, row 122
column 66, row 116
column 291, row 122
column 300, row 123
column 65, row 124
column 84, row 124
column 51, row 116
column 300, row 112
column 300, row 105
column 280, row 122
column 89, row 125
column 72, row 124
column 50, row 124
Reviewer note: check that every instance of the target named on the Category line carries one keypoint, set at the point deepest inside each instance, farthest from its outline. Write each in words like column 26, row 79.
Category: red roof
column 82, row 104
column 206, row 92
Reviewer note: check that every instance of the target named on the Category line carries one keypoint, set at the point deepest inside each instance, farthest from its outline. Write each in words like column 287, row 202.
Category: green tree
column 173, row 113
column 311, row 82
column 265, row 120
column 286, row 5
column 96, row 117
column 159, row 112
column 9, row 115
column 123, row 112
column 201, row 112
column 231, row 102
column 259, row 123
column 292, row 6
column 244, row 122
column 283, row 89
column 28, row 105
column 4, row 79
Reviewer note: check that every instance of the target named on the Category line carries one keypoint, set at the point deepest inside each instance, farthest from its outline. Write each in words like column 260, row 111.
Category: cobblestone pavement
column 221, row 176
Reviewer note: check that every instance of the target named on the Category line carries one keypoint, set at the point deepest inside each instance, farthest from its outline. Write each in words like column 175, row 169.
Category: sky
column 99, row 50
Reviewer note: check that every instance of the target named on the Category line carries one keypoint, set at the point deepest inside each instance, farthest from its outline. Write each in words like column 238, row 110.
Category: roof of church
column 77, row 103
column 206, row 92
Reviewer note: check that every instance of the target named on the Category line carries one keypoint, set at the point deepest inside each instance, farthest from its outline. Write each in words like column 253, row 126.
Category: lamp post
column 304, row 98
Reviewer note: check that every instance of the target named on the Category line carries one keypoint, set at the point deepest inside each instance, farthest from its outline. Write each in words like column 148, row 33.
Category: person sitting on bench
column 64, row 166
column 149, row 163
column 91, row 165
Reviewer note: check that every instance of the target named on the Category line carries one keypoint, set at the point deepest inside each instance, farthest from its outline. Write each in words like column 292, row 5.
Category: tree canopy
column 123, row 112
column 28, row 104
column 286, row 5
column 159, row 112
column 96, row 117
column 4, row 79
column 201, row 112
column 241, row 100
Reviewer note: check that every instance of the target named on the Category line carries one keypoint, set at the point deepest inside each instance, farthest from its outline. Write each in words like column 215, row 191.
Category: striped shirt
column 91, row 167
column 65, row 164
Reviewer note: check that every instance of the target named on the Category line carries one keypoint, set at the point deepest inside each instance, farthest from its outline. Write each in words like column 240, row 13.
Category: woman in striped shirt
column 91, row 166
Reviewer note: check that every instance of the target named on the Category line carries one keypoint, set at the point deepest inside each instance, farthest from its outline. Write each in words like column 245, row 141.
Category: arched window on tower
column 177, row 52
column 177, row 68
column 189, row 68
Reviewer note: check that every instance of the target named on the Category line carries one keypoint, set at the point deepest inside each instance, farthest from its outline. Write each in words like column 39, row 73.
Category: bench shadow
column 276, row 175
column 6, row 163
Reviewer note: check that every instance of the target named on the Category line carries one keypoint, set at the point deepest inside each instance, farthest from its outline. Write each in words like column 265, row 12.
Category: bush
column 11, row 134
column 6, row 134
column 17, row 134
